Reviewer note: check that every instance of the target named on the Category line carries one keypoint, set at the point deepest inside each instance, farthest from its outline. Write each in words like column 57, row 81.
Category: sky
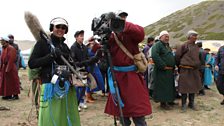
column 79, row 13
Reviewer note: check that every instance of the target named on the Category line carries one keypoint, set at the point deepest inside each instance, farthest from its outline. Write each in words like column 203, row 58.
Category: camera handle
column 108, row 56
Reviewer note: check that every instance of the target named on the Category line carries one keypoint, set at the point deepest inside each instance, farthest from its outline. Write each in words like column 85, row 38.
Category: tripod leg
column 115, row 121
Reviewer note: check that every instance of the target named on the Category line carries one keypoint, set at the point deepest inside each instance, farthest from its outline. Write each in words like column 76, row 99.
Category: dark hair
column 150, row 38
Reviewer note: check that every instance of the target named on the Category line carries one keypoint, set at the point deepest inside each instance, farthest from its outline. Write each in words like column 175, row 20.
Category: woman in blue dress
column 209, row 64
column 95, row 71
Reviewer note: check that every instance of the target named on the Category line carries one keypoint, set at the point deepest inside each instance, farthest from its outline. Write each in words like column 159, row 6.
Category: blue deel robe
column 209, row 64
column 95, row 71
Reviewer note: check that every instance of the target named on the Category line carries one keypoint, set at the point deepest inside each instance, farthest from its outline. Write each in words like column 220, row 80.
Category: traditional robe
column 9, row 79
column 164, row 88
column 132, row 87
column 220, row 62
column 209, row 63
column 189, row 80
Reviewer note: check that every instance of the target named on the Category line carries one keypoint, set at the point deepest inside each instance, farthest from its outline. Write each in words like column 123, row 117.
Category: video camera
column 105, row 24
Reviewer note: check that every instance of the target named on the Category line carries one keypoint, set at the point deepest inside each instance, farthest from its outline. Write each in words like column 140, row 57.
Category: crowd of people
column 179, row 72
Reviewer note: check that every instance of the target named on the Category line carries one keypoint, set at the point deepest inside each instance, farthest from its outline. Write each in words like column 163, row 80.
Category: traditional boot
column 89, row 98
column 163, row 105
column 202, row 92
column 191, row 102
column 183, row 102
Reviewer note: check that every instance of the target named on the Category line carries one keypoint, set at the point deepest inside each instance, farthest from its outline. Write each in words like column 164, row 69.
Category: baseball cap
column 121, row 13
column 58, row 21
column 4, row 38
column 78, row 32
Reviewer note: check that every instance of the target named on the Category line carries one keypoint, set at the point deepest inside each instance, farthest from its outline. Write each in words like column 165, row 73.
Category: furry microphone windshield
column 34, row 25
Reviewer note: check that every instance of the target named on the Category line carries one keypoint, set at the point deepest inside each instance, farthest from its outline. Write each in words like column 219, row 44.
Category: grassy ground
column 210, row 113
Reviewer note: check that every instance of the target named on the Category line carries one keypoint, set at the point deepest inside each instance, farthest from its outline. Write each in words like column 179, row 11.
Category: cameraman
column 132, row 87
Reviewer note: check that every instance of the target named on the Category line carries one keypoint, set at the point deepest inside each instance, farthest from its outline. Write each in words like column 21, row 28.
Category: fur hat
column 163, row 33
column 191, row 32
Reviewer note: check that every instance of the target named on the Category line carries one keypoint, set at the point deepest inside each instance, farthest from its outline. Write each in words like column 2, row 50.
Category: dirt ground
column 210, row 113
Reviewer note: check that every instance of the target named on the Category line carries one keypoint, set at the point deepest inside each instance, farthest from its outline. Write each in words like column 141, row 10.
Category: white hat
column 163, row 33
column 119, row 12
column 5, row 38
column 191, row 32
column 59, row 20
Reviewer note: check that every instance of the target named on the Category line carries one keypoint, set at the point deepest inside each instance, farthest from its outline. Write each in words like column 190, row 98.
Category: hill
column 206, row 18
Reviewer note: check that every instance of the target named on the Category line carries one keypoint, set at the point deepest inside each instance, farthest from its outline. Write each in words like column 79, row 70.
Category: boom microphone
column 33, row 25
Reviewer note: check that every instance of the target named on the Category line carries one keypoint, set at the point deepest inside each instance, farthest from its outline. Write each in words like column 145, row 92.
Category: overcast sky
column 79, row 13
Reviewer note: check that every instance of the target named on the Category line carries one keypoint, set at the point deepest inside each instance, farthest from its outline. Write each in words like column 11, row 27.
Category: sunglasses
column 63, row 27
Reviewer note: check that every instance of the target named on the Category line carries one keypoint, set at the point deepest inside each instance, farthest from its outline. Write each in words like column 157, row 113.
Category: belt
column 168, row 68
column 186, row 67
column 116, row 97
column 207, row 66
column 125, row 68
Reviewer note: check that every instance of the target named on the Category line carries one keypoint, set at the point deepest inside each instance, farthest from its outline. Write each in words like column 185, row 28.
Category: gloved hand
column 56, row 52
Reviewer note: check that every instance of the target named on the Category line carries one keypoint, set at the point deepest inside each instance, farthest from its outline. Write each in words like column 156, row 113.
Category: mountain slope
column 207, row 18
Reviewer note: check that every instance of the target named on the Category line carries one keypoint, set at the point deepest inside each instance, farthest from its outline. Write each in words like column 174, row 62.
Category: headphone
column 52, row 25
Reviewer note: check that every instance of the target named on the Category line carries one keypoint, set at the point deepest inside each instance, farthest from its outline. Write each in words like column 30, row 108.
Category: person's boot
column 15, row 97
column 206, row 87
column 89, row 98
column 6, row 97
column 163, row 105
column 191, row 102
column 150, row 93
column 183, row 102
column 201, row 92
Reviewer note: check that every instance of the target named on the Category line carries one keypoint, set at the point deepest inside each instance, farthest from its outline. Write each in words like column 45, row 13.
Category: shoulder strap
column 122, row 47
